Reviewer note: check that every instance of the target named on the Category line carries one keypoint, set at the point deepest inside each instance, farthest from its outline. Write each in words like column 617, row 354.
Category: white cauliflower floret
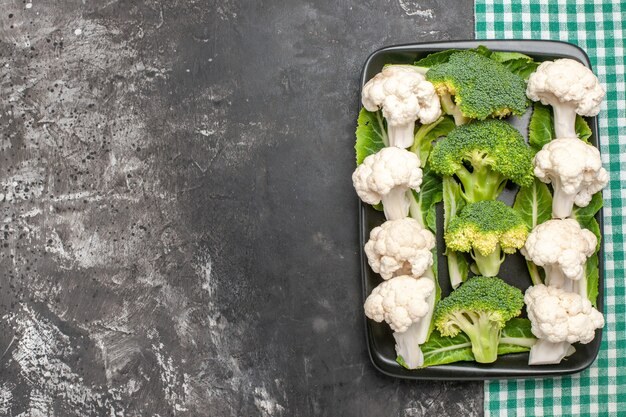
column 570, row 88
column 400, row 246
column 387, row 176
column 575, row 170
column 561, row 247
column 559, row 318
column 405, row 96
column 402, row 302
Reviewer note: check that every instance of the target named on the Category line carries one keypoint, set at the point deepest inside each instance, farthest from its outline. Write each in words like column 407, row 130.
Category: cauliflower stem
column 564, row 119
column 547, row 353
column 408, row 345
column 401, row 135
column 396, row 203
column 424, row 325
column 556, row 278
column 562, row 202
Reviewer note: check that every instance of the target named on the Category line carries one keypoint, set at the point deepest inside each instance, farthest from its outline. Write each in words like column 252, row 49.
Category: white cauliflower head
column 400, row 246
column 560, row 316
column 400, row 301
column 387, row 176
column 570, row 88
column 575, row 170
column 561, row 247
column 404, row 96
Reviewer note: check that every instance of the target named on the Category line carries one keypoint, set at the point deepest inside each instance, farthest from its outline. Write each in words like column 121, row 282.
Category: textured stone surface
column 178, row 225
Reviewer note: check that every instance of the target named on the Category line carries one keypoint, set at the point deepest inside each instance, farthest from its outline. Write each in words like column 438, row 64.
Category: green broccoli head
column 479, row 308
column 495, row 151
column 487, row 230
column 481, row 86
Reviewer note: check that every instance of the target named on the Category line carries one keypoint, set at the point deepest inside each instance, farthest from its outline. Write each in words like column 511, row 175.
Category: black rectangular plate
column 379, row 337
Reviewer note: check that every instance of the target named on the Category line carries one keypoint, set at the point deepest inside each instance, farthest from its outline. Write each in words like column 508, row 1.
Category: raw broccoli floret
column 472, row 86
column 487, row 230
column 483, row 156
column 479, row 308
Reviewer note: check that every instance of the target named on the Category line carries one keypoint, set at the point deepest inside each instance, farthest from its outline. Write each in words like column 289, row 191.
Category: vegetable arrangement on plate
column 432, row 133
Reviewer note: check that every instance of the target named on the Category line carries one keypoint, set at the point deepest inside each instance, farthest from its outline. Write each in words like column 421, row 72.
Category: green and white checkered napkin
column 598, row 27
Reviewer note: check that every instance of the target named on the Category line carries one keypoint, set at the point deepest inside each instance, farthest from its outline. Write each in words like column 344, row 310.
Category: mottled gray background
column 178, row 224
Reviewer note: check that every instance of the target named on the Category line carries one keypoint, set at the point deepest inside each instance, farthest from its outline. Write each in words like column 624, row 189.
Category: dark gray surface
column 179, row 227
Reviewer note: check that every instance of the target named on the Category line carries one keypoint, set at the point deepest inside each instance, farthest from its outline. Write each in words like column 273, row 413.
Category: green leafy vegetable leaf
column 441, row 350
column 508, row 56
column 586, row 218
column 521, row 66
column 436, row 58
column 582, row 128
column 517, row 63
column 483, row 50
column 586, row 215
column 534, row 203
column 371, row 134
column 423, row 203
column 592, row 272
column 540, row 128
column 453, row 203
column 516, row 337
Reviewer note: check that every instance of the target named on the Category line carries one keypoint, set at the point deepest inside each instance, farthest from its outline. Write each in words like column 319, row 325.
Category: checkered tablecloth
column 598, row 27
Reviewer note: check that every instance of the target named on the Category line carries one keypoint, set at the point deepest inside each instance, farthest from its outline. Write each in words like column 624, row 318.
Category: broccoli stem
column 483, row 333
column 481, row 184
column 396, row 203
column 449, row 107
column 546, row 353
column 564, row 120
column 408, row 347
column 401, row 136
column 562, row 202
column 488, row 265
